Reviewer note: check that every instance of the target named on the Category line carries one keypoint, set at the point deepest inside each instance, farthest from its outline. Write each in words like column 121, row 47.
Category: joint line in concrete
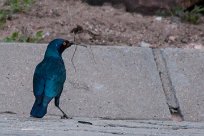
column 167, row 86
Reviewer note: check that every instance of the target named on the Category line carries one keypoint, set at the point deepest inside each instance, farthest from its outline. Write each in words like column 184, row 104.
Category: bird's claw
column 65, row 117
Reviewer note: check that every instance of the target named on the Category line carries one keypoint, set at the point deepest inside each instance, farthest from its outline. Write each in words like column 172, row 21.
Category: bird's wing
column 39, row 80
column 49, row 77
column 38, row 84
column 55, row 78
column 53, row 88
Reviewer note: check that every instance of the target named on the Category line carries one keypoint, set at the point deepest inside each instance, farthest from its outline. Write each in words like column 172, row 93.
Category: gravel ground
column 104, row 25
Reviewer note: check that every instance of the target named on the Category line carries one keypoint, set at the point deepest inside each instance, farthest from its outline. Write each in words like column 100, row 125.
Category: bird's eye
column 64, row 43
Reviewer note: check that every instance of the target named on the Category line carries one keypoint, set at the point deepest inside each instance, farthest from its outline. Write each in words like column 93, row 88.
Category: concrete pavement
column 13, row 125
column 110, row 82
column 186, row 70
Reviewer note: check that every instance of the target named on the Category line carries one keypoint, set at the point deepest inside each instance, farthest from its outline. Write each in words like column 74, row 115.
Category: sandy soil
column 104, row 25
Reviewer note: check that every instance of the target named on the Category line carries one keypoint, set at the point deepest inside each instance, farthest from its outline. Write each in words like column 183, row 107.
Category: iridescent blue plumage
column 49, row 78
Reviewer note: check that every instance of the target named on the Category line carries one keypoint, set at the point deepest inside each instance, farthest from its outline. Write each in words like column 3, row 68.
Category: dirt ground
column 104, row 25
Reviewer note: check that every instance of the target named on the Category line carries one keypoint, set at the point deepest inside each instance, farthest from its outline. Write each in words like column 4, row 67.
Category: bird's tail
column 38, row 110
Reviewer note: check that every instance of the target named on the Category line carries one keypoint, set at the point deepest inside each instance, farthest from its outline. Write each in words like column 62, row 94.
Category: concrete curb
column 110, row 82
column 186, row 70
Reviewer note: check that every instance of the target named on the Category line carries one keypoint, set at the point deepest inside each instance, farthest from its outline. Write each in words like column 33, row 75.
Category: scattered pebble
column 195, row 46
column 158, row 18
column 172, row 38
column 46, row 34
column 144, row 44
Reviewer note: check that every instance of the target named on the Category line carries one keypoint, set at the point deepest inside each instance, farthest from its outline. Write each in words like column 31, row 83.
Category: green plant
column 3, row 17
column 12, row 38
column 192, row 16
column 162, row 12
column 37, row 37
column 19, row 37
column 14, row 6
column 177, row 11
column 19, row 5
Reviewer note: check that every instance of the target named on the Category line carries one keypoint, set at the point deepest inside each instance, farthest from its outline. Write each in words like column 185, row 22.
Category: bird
column 49, row 78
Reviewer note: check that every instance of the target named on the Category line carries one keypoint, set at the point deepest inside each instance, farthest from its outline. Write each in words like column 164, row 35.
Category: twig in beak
column 73, row 58
column 76, row 30
column 82, row 45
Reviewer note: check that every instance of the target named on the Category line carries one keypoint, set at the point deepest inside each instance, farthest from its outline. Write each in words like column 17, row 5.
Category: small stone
column 46, row 34
column 158, row 18
column 172, row 38
column 145, row 44
column 195, row 46
column 198, row 46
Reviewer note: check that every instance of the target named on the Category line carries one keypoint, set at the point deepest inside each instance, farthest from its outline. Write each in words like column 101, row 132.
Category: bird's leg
column 64, row 115
column 57, row 105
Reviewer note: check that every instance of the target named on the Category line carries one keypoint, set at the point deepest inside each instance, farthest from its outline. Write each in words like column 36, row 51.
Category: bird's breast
column 51, row 68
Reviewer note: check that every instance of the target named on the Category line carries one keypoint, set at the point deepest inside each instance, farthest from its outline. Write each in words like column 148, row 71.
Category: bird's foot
column 65, row 117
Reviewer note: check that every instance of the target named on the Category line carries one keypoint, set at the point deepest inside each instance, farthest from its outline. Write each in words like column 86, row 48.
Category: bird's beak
column 68, row 44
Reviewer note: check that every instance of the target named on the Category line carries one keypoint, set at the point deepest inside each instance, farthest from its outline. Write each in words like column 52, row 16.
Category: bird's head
column 56, row 47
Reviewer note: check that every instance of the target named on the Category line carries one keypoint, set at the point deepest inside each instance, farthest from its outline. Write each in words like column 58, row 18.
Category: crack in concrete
column 167, row 86
column 7, row 112
column 126, row 126
column 157, row 126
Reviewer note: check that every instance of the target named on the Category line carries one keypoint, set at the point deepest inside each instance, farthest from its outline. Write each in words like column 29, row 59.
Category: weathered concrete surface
column 166, row 81
column 110, row 82
column 186, row 70
column 115, row 82
column 50, row 126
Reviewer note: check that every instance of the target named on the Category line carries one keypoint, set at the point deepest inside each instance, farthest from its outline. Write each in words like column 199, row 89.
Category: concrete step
column 110, row 82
